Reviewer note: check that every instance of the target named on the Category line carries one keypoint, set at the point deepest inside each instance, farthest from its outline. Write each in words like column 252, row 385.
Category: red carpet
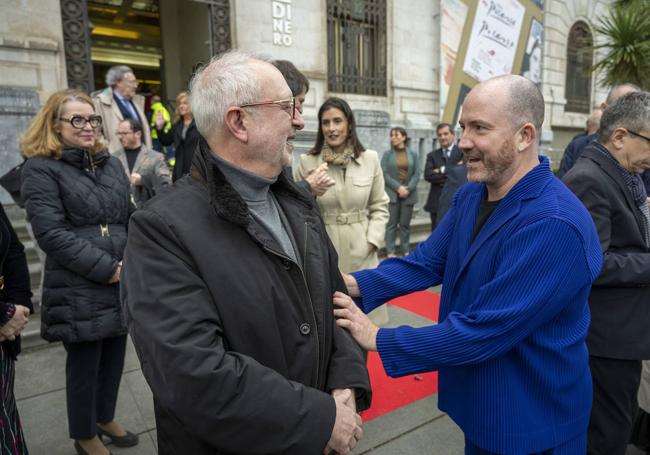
column 389, row 394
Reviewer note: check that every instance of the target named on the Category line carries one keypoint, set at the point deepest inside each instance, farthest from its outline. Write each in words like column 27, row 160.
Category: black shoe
column 80, row 450
column 128, row 440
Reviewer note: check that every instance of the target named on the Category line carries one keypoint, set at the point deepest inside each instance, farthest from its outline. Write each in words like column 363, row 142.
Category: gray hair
column 228, row 80
column 630, row 111
column 525, row 103
column 116, row 73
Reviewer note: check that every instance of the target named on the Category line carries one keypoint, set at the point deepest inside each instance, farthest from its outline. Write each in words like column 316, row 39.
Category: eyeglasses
column 79, row 122
column 288, row 105
column 634, row 133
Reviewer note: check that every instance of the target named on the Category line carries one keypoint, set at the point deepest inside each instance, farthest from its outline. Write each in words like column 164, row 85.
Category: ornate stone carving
column 76, row 41
column 220, row 40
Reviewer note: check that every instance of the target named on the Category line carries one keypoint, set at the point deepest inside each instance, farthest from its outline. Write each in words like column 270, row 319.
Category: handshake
column 347, row 430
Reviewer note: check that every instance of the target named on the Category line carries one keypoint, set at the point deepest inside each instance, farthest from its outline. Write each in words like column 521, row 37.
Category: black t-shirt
column 484, row 212
column 131, row 156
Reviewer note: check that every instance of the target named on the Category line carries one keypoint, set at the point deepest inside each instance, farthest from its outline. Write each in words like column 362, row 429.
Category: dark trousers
column 93, row 371
column 575, row 446
column 399, row 215
column 434, row 217
column 616, row 383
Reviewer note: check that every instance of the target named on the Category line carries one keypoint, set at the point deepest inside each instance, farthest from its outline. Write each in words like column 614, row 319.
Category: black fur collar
column 225, row 201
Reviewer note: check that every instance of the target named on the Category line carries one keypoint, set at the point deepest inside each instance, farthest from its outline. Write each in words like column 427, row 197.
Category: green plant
column 627, row 44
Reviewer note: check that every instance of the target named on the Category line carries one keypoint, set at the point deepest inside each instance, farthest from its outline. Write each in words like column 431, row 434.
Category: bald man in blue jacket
column 516, row 255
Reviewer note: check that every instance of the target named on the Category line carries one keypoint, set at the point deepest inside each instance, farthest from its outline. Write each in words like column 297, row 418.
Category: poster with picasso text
column 494, row 38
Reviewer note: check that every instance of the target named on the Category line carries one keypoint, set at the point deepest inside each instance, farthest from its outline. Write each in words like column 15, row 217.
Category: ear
column 236, row 121
column 618, row 137
column 526, row 136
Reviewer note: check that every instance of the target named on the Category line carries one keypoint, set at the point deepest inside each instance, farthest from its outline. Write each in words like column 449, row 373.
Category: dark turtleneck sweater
column 263, row 206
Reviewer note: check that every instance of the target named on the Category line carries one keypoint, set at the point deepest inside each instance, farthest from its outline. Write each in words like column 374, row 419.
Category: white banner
column 493, row 42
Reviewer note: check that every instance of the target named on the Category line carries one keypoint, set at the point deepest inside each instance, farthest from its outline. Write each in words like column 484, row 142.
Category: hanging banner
column 494, row 38
column 453, row 14
column 498, row 37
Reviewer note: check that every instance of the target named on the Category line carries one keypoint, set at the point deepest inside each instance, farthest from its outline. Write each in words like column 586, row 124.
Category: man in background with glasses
column 607, row 179
column 228, row 287
column 119, row 102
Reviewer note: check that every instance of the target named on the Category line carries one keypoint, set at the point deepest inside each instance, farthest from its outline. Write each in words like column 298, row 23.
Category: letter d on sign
column 279, row 10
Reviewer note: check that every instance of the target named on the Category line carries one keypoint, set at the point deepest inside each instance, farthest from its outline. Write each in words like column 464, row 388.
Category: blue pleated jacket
column 510, row 343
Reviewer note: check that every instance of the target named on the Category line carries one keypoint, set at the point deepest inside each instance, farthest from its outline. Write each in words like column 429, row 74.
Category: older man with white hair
column 228, row 284
column 118, row 102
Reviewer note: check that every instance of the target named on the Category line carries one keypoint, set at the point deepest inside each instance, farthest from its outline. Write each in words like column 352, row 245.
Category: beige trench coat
column 355, row 209
column 111, row 116
column 644, row 387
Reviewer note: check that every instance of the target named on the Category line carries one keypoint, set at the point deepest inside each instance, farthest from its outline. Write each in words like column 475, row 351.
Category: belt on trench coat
column 356, row 216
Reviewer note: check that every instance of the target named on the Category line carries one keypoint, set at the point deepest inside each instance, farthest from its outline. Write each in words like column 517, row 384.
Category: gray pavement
column 418, row 428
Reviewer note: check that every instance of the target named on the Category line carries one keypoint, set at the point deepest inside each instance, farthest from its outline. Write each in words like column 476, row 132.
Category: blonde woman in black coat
column 78, row 201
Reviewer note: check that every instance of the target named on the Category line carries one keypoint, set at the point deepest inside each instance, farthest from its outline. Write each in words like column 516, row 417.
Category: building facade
column 382, row 56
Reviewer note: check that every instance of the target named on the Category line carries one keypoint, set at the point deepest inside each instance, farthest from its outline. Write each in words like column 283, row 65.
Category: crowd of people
column 247, row 283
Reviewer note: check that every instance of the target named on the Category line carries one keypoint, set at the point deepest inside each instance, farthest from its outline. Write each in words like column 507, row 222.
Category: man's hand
column 16, row 324
column 349, row 399
column 136, row 179
column 403, row 192
column 116, row 275
column 371, row 248
column 347, row 427
column 160, row 120
column 352, row 285
column 319, row 180
column 350, row 317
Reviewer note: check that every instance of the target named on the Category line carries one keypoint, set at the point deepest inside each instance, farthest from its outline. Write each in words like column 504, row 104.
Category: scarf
column 337, row 159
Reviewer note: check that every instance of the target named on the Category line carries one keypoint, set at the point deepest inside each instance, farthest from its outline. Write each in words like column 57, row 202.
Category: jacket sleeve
column 347, row 368
column 506, row 310
column 17, row 288
column 227, row 399
column 160, row 177
column 620, row 268
column 377, row 205
column 396, row 277
column 415, row 177
column 52, row 231
column 166, row 136
column 391, row 182
column 432, row 172
column 568, row 159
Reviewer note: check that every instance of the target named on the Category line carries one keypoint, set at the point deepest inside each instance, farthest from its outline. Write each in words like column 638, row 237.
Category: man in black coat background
column 607, row 180
column 228, row 285
column 438, row 163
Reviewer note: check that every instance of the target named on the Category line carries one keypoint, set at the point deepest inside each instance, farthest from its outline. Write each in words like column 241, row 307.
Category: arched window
column 579, row 60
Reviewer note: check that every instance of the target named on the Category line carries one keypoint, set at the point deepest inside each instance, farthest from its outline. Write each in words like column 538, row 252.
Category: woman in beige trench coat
column 355, row 209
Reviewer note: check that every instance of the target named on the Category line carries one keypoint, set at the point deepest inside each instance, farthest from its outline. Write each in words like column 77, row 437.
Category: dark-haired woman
column 15, row 307
column 401, row 168
column 77, row 197
column 355, row 209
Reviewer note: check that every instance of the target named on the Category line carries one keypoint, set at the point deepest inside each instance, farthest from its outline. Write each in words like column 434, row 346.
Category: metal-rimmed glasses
column 79, row 122
column 288, row 105
column 634, row 133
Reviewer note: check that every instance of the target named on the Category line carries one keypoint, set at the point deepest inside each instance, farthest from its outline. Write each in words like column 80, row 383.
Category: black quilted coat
column 79, row 207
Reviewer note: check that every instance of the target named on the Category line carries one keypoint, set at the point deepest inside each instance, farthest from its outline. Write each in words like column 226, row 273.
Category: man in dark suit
column 607, row 180
column 435, row 169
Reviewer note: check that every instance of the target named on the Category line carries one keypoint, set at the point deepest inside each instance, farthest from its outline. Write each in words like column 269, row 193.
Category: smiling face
column 335, row 126
column 488, row 140
column 273, row 128
column 70, row 136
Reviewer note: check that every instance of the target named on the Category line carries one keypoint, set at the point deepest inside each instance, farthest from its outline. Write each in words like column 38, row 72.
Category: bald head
column 617, row 91
column 523, row 101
